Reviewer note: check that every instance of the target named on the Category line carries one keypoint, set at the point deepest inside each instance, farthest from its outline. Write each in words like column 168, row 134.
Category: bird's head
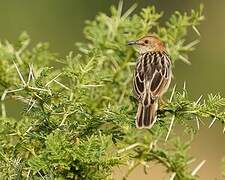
column 148, row 44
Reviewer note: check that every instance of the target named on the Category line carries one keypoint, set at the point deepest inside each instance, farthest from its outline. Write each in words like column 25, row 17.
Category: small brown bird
column 151, row 78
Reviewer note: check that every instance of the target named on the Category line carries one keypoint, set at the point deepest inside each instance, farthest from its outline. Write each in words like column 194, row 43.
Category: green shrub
column 77, row 119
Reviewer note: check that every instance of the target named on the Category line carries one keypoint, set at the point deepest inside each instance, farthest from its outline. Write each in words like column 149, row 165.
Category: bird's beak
column 132, row 42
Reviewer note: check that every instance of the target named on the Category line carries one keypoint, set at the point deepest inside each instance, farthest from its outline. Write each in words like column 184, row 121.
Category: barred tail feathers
column 146, row 115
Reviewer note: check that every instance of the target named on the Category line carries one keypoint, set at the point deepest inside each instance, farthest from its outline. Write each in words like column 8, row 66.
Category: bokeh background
column 61, row 23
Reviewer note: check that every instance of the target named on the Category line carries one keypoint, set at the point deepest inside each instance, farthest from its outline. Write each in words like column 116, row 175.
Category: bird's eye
column 146, row 41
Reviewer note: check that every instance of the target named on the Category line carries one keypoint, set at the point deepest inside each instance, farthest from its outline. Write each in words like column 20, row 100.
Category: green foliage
column 78, row 120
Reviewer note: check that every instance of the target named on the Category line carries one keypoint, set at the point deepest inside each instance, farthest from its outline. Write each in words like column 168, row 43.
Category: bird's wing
column 152, row 74
column 138, row 81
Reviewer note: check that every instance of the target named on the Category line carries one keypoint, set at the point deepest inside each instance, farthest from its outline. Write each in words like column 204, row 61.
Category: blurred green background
column 61, row 23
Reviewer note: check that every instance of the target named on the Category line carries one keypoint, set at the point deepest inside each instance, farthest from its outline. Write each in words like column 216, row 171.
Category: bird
column 152, row 77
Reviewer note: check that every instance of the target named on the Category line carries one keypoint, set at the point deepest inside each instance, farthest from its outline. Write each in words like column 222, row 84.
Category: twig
column 197, row 121
column 41, row 175
column 65, row 116
column 38, row 89
column 61, row 84
column 48, row 83
column 64, row 119
column 3, row 109
column 19, row 73
column 30, row 76
column 129, row 147
column 214, row 119
column 28, row 130
column 172, row 94
column 31, row 106
column 196, row 30
column 201, row 122
column 170, row 128
column 198, row 100
column 3, row 104
column 184, row 59
column 172, row 176
column 184, row 89
column 91, row 85
column 129, row 11
column 131, row 170
column 16, row 90
column 198, row 168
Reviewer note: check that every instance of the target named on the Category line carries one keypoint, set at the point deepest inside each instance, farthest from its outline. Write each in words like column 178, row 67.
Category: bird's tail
column 146, row 115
